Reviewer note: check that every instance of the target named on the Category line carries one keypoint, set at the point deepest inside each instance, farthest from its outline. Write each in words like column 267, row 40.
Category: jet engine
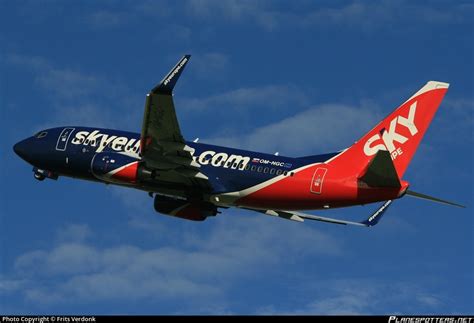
column 190, row 210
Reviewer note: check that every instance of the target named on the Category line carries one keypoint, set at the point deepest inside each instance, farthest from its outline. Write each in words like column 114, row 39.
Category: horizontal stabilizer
column 167, row 84
column 381, row 172
column 431, row 198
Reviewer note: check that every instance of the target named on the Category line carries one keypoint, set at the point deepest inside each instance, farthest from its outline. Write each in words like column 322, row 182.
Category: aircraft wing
column 300, row 217
column 162, row 146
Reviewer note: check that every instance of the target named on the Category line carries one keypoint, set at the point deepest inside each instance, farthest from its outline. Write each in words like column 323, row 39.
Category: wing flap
column 284, row 215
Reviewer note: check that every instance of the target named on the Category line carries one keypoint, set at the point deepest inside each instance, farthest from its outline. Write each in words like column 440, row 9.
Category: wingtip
column 377, row 215
column 459, row 205
column 433, row 199
column 169, row 81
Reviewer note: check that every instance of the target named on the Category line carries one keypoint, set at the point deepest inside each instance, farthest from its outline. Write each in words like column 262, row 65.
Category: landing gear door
column 64, row 138
column 318, row 180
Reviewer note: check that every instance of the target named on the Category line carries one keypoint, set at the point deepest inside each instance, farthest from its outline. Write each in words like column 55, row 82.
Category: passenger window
column 292, row 173
column 259, row 169
column 265, row 170
column 285, row 173
column 272, row 171
column 253, row 168
column 279, row 172
column 246, row 166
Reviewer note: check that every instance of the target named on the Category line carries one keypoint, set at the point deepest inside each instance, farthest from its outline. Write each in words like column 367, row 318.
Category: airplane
column 193, row 180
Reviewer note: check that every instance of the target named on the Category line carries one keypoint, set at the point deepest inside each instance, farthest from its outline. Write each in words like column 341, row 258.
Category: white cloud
column 9, row 285
column 79, row 97
column 212, row 65
column 358, row 14
column 461, row 109
column 428, row 300
column 66, row 258
column 74, row 233
column 348, row 304
column 269, row 15
column 261, row 12
column 109, row 17
column 201, row 266
column 67, row 84
column 140, row 205
column 180, row 33
column 106, row 19
column 324, row 127
column 362, row 14
column 457, row 119
column 229, row 9
column 272, row 96
column 361, row 296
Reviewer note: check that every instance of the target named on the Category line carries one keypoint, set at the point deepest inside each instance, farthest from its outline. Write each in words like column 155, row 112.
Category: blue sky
column 300, row 78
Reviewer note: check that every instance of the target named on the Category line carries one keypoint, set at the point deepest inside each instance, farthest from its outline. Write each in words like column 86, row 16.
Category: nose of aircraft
column 21, row 149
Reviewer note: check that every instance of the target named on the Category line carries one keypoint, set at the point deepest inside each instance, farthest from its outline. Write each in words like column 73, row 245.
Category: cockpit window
column 41, row 134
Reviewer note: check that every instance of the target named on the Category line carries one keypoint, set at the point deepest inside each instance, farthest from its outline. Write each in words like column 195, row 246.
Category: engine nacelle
column 117, row 168
column 189, row 210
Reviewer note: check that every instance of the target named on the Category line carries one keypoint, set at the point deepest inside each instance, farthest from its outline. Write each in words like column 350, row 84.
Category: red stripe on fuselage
column 294, row 192
column 127, row 174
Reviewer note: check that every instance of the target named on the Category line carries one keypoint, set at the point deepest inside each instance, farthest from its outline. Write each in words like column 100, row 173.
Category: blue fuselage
column 70, row 151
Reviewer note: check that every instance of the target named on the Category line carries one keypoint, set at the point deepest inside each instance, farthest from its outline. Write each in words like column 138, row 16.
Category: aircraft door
column 62, row 145
column 64, row 138
column 318, row 180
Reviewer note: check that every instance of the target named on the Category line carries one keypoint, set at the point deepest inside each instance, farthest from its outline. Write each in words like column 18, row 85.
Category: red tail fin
column 400, row 133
